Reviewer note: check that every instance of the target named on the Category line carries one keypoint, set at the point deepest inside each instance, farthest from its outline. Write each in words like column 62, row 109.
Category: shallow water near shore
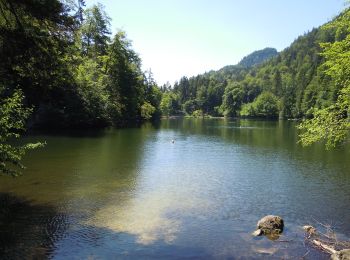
column 133, row 193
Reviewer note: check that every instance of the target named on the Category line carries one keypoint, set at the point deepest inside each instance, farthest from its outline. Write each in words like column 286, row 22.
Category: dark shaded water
column 132, row 193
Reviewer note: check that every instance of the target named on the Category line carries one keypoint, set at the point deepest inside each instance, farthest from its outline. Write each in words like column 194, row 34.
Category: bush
column 265, row 105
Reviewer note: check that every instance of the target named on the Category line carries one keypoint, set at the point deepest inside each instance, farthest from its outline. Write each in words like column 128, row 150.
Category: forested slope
column 291, row 84
column 258, row 57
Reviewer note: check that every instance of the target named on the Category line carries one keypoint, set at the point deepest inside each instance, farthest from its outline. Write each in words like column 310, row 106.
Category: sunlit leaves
column 12, row 122
column 331, row 124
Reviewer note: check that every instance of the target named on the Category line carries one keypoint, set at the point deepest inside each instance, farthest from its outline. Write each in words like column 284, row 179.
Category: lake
column 133, row 193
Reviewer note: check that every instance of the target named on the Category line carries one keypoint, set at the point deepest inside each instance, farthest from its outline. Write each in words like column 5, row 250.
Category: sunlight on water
column 133, row 193
column 150, row 215
column 144, row 217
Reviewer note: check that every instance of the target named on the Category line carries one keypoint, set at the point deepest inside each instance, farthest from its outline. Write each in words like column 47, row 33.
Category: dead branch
column 324, row 247
column 326, row 241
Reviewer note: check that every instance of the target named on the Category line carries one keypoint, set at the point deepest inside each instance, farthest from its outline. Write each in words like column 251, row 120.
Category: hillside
column 258, row 57
column 291, row 84
column 203, row 93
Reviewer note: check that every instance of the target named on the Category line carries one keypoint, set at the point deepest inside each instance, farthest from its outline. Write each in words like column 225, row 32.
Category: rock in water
column 269, row 224
column 310, row 230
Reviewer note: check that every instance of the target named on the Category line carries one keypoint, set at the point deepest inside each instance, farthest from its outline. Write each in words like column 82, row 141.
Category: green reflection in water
column 205, row 191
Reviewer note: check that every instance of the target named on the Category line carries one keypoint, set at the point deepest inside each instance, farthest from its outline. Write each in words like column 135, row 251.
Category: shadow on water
column 28, row 230
column 90, row 132
column 68, row 132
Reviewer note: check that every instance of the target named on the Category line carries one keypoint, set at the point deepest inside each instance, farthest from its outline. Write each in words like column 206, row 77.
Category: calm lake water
column 132, row 193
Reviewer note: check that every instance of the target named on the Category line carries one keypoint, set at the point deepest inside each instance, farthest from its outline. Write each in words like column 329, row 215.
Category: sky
column 176, row 38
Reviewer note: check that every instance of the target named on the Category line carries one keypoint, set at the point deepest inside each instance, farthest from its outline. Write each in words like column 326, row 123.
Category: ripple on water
column 132, row 193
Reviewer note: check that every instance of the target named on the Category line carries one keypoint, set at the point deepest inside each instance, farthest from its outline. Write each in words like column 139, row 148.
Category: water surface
column 133, row 193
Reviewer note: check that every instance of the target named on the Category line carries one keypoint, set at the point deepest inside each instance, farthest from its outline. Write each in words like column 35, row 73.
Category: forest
column 308, row 81
column 268, row 84
column 68, row 68
column 61, row 68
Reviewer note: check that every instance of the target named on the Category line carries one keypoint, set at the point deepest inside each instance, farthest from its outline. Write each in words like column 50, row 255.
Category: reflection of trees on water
column 262, row 135
column 131, row 191
column 86, row 167
column 72, row 177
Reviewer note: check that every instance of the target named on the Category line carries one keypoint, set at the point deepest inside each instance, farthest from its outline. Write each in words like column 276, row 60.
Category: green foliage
column 309, row 79
column 198, row 113
column 152, row 93
column 232, row 99
column 61, row 59
column 266, row 105
column 95, row 31
column 247, row 110
column 222, row 92
column 258, row 57
column 12, row 122
column 328, row 124
column 190, row 106
column 92, row 92
column 147, row 111
column 70, row 71
column 169, row 104
column 331, row 124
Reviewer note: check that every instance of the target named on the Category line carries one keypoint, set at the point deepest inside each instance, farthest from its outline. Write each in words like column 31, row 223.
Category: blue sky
column 178, row 38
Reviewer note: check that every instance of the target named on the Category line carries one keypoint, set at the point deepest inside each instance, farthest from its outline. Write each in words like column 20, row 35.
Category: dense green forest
column 290, row 84
column 71, row 71
column 258, row 57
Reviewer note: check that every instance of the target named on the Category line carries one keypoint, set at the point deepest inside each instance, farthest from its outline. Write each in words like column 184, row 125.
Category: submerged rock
column 265, row 251
column 269, row 225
